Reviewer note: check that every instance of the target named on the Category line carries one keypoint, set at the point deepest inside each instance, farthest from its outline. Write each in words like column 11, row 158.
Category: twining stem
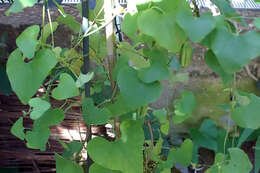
column 152, row 145
column 43, row 19
column 50, row 22
column 250, row 74
column 233, row 90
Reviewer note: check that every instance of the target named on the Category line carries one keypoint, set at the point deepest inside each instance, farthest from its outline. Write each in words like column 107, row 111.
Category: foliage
column 162, row 34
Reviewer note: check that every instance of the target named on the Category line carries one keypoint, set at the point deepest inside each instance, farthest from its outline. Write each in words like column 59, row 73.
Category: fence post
column 86, row 67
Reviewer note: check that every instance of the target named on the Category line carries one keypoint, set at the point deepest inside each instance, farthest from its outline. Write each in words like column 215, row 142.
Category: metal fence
column 122, row 2
column 237, row 4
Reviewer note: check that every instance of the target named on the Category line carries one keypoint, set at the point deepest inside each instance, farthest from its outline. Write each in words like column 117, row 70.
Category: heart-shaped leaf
column 18, row 129
column 158, row 69
column 37, row 138
column 84, row 78
column 97, row 168
column 67, row 166
column 120, row 107
column 184, row 107
column 235, row 51
column 170, row 37
column 176, row 155
column 26, row 78
column 152, row 22
column 213, row 63
column 196, row 28
column 49, row 118
column 237, row 156
column 129, row 53
column 135, row 92
column 129, row 25
column 94, row 115
column 125, row 154
column 67, row 88
column 47, row 29
column 72, row 150
column 70, row 21
column 39, row 107
column 27, row 40
column 257, row 22
column 18, row 5
column 248, row 116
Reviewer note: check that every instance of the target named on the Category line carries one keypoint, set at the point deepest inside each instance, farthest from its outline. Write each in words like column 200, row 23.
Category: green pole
column 86, row 66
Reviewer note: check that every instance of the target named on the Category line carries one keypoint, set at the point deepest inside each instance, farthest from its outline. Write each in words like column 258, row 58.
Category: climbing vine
column 161, row 35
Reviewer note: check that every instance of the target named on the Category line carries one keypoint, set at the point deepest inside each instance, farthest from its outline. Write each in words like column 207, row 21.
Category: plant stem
column 50, row 22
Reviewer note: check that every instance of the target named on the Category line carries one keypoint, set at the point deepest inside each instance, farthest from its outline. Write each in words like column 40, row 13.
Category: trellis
column 237, row 4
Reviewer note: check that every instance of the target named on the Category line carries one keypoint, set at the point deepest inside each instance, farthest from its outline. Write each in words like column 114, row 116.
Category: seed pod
column 185, row 54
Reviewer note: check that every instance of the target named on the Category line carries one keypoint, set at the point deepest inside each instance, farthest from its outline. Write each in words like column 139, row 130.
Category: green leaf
column 257, row 155
column 125, row 154
column 176, row 155
column 213, row 63
column 243, row 137
column 71, row 22
column 95, row 168
column 18, row 129
column 98, row 13
column 37, row 138
column 73, row 148
column 165, row 127
column 129, row 25
column 84, row 78
column 120, row 107
column 50, row 118
column 130, row 54
column 166, row 170
column 205, row 137
column 151, row 23
column 67, row 88
column 184, row 107
column 18, row 5
column 225, row 8
column 196, row 28
column 27, row 40
column 39, row 107
column 67, row 166
column 26, row 78
column 161, row 114
column 158, row 147
column 257, row 22
column 235, row 51
column 97, row 42
column 248, row 116
column 216, row 168
column 239, row 162
column 158, row 69
column 94, row 115
column 208, row 127
column 47, row 31
column 135, row 92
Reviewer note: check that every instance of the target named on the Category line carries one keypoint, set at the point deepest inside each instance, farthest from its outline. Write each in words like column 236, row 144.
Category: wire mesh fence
column 122, row 2
column 237, row 4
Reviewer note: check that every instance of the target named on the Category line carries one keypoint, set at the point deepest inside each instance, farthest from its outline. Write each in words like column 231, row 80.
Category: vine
column 127, row 79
